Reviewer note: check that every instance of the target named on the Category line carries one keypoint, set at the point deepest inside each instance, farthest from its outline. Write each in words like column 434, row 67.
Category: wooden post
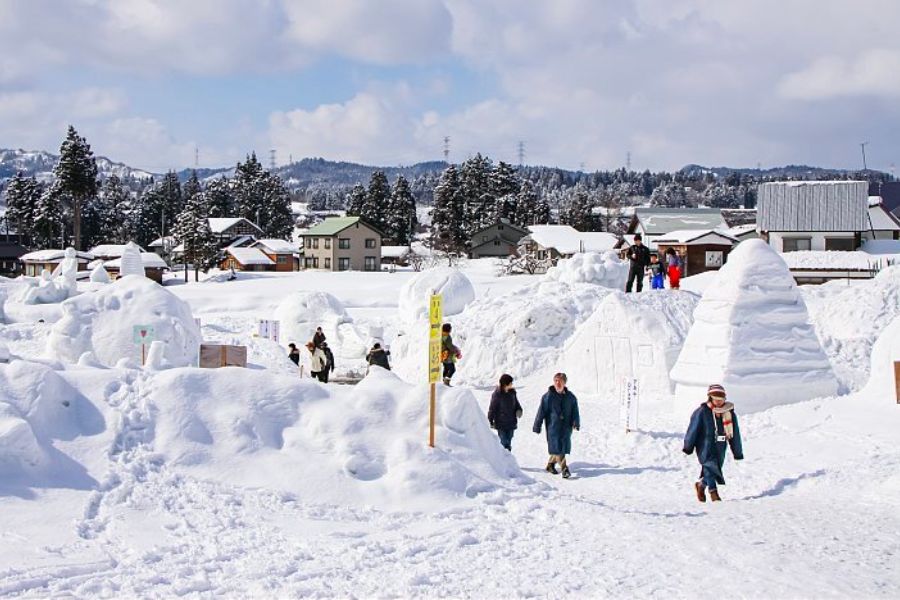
column 897, row 379
column 432, row 408
column 143, row 355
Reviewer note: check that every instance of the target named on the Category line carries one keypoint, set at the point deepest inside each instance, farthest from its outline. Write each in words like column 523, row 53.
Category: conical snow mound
column 752, row 334
column 131, row 261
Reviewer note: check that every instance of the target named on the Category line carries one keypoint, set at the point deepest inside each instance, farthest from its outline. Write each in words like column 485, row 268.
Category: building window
column 327, row 263
column 496, row 242
column 369, row 265
column 499, row 227
column 314, row 243
column 282, row 260
column 328, row 243
column 841, row 243
column 344, row 243
column 370, row 242
column 343, row 264
column 794, row 244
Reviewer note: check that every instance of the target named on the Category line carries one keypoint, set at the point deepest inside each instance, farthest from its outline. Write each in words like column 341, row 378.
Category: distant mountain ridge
column 311, row 171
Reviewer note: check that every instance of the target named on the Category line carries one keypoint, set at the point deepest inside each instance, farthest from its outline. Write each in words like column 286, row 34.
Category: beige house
column 342, row 244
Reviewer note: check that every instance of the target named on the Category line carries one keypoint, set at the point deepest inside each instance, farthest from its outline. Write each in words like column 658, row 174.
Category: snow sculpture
column 68, row 269
column 102, row 322
column 99, row 275
column 752, row 333
column 301, row 312
column 49, row 290
column 131, row 261
column 455, row 288
column 599, row 268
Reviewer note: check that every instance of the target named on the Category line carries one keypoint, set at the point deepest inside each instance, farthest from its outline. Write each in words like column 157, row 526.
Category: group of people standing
column 641, row 261
column 321, row 357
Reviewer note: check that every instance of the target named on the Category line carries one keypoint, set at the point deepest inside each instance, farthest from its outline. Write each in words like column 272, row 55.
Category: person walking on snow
column 294, row 353
column 317, row 362
column 713, row 427
column 505, row 410
column 657, row 273
column 673, row 263
column 558, row 411
column 329, row 362
column 449, row 353
column 378, row 356
column 639, row 259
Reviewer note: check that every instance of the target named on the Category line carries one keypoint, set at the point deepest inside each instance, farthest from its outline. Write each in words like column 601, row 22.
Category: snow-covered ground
column 118, row 481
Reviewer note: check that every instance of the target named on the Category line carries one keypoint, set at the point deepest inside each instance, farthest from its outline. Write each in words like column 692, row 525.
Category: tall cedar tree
column 220, row 198
column 402, row 220
column 448, row 233
column 46, row 230
column 22, row 197
column 526, row 205
column 262, row 198
column 378, row 196
column 76, row 177
column 474, row 175
column 356, row 199
column 192, row 230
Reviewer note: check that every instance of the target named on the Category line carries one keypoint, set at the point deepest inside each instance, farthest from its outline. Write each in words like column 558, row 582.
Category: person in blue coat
column 558, row 411
column 713, row 427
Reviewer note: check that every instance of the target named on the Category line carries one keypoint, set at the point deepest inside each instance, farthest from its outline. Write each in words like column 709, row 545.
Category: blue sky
column 714, row 82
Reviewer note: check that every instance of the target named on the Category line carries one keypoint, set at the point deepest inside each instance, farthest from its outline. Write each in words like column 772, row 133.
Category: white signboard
column 268, row 329
column 714, row 258
column 629, row 396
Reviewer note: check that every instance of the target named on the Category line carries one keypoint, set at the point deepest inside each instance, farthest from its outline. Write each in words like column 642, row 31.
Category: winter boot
column 701, row 493
column 714, row 496
column 566, row 473
column 551, row 468
column 447, row 381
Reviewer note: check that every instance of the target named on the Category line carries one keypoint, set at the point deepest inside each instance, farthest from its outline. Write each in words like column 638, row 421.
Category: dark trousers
column 506, row 436
column 635, row 273
column 708, row 476
column 449, row 370
column 323, row 376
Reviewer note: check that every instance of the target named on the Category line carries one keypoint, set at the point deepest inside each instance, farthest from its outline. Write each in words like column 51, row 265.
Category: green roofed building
column 342, row 244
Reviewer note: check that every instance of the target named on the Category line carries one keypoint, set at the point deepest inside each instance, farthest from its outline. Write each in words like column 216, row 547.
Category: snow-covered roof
column 830, row 260
column 150, row 260
column 222, row 224
column 568, row 240
column 693, row 237
column 740, row 230
column 242, row 241
column 813, row 206
column 660, row 221
column 276, row 246
column 158, row 242
column 394, row 251
column 109, row 250
column 881, row 220
column 249, row 256
column 54, row 256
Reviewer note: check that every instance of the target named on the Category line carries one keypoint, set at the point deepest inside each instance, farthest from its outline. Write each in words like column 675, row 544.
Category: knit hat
column 715, row 391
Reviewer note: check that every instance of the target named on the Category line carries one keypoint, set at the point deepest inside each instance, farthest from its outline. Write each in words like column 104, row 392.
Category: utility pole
column 521, row 153
column 862, row 147
column 447, row 149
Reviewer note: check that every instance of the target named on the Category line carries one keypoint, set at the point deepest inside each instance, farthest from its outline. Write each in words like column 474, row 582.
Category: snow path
column 627, row 523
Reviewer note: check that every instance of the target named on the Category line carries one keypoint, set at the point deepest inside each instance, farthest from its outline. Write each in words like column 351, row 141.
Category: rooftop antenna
column 521, row 153
column 862, row 147
column 446, row 148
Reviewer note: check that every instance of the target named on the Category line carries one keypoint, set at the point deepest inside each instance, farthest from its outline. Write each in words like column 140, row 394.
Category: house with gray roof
column 499, row 239
column 813, row 215
column 652, row 223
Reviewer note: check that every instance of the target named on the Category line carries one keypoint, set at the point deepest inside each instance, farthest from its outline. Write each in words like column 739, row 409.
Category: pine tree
column 191, row 186
column 47, row 224
column 76, row 177
column 504, row 182
column 378, row 196
column 447, row 221
column 542, row 212
column 192, row 231
column 247, row 185
column 402, row 220
column 149, row 215
column 479, row 200
column 22, row 197
column 275, row 208
column 114, row 205
column 356, row 199
column 220, row 197
column 526, row 205
column 172, row 200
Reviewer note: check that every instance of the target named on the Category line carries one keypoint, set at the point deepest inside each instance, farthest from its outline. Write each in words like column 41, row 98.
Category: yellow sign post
column 434, row 356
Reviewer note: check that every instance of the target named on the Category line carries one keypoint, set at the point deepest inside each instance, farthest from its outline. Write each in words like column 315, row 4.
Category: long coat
column 379, row 357
column 559, row 413
column 701, row 435
column 504, row 410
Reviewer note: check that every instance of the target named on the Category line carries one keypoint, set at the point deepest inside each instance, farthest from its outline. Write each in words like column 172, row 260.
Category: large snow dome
column 599, row 268
column 752, row 334
column 301, row 312
column 630, row 336
column 455, row 288
column 882, row 386
column 102, row 322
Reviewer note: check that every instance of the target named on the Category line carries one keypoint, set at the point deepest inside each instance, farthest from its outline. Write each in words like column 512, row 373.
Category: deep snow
column 122, row 482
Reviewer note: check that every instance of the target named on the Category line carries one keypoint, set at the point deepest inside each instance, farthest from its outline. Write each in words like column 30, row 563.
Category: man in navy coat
column 559, row 412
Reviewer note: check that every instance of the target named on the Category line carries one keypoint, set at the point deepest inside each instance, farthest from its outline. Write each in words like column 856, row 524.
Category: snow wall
column 882, row 386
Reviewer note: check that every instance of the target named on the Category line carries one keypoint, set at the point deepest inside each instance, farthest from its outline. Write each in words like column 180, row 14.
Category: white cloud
column 872, row 73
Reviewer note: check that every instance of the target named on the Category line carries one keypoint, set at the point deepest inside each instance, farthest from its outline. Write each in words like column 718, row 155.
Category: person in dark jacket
column 294, row 353
column 318, row 338
column 329, row 362
column 505, row 410
column 558, row 411
column 713, row 427
column 379, row 356
column 657, row 273
column 639, row 260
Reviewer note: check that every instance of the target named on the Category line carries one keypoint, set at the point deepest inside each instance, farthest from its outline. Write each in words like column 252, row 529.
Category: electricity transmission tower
column 521, row 153
column 446, row 148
